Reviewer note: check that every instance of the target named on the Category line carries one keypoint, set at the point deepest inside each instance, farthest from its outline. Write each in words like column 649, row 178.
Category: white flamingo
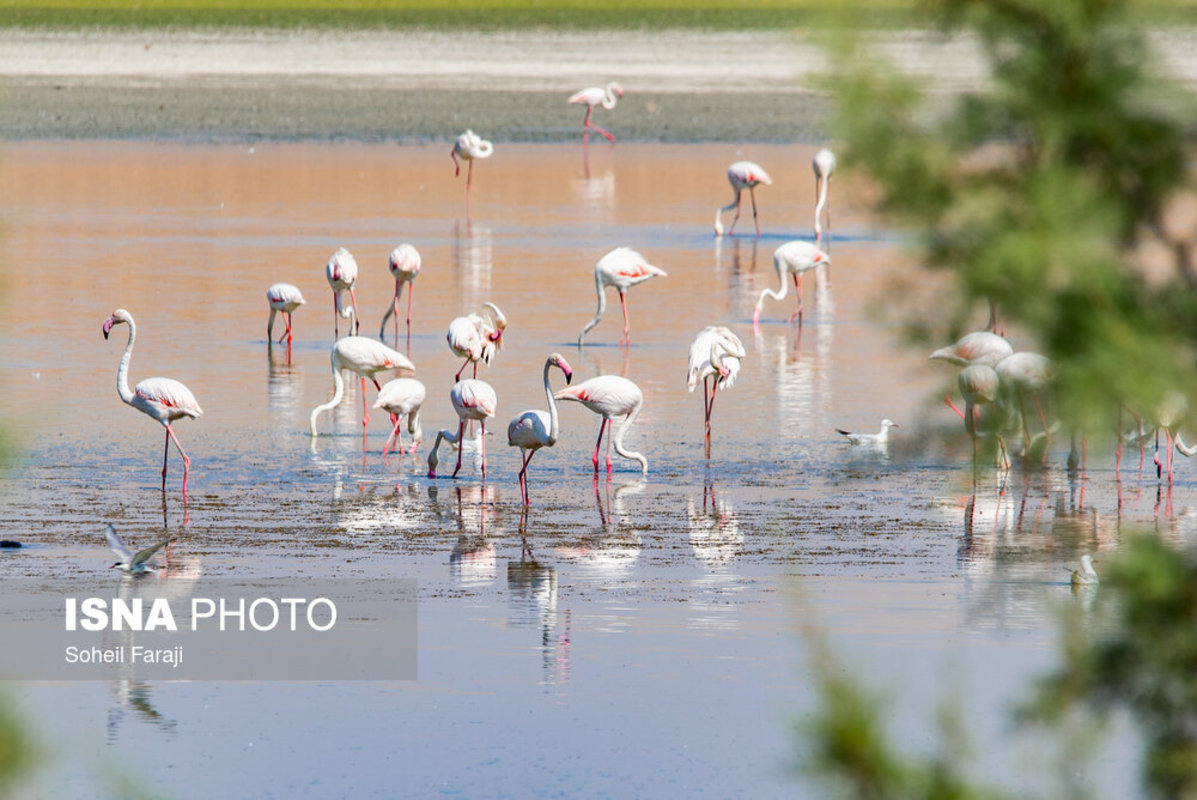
column 284, row 298
column 468, row 147
column 472, row 399
column 163, row 399
column 402, row 397
column 793, row 259
column 367, row 357
column 535, row 429
column 477, row 337
column 404, row 265
column 341, row 272
column 979, row 384
column 621, row 268
column 610, row 396
column 742, row 175
column 715, row 353
column 595, row 96
column 824, row 165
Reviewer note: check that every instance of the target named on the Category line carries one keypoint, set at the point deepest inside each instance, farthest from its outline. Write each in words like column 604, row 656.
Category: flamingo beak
column 569, row 375
column 108, row 323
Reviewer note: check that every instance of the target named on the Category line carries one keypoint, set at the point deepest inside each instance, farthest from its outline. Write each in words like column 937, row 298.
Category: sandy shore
column 680, row 85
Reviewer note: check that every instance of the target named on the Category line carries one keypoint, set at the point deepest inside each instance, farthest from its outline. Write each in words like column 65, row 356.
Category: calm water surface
column 624, row 637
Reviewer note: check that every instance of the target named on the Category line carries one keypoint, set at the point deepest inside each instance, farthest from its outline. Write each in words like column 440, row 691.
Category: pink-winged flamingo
column 472, row 399
column 283, row 298
column 477, row 337
column 404, row 265
column 402, row 397
column 823, row 165
column 595, row 96
column 163, row 399
column 367, row 357
column 610, row 396
column 714, row 358
column 742, row 175
column 621, row 268
column 341, row 272
column 979, row 385
column 535, row 429
column 879, row 439
column 979, row 347
column 793, row 259
column 468, row 147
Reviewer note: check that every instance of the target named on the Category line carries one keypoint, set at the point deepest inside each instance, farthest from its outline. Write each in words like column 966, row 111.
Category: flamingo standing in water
column 621, row 268
column 594, row 96
column 535, row 429
column 979, row 384
column 468, row 147
column 402, row 397
column 284, row 298
column 367, row 358
column 979, row 347
column 341, row 272
column 792, row 258
column 823, row 164
column 610, row 396
column 477, row 337
column 742, row 175
column 472, row 399
column 404, row 265
column 163, row 399
column 714, row 353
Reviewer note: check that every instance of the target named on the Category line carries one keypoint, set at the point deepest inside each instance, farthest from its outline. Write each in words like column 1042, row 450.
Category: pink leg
column 410, row 288
column 356, row 318
column 752, row 194
column 165, row 453
column 287, row 334
column 336, row 318
column 612, row 428
column 460, row 446
column 586, row 125
column 186, row 462
column 599, row 441
column 482, row 425
column 627, row 330
column 797, row 291
column 469, row 177
column 394, row 433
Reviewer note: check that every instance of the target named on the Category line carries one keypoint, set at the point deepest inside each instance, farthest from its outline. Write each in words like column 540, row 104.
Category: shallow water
column 625, row 636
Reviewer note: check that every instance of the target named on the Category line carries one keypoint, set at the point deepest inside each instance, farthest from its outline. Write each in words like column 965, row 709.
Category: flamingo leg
column 469, row 176
column 357, row 325
column 395, row 432
column 752, row 194
column 460, row 446
column 586, row 125
column 165, row 453
column 411, row 287
column 609, row 432
column 524, row 476
column 798, row 291
column 287, row 334
column 186, row 461
column 336, row 315
column 482, row 426
column 627, row 330
column 947, row 398
column 599, row 441
column 1118, row 449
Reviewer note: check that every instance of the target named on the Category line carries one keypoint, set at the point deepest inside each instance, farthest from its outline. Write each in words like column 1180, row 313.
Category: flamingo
column 714, row 353
column 163, row 399
column 468, row 147
column 132, row 563
column 402, row 397
column 367, row 358
column 597, row 95
column 285, row 298
column 535, row 429
column 610, row 396
column 621, row 268
column 472, row 399
column 404, row 265
column 979, row 347
column 477, row 337
column 823, row 164
column 1023, row 374
column 742, row 175
column 879, row 439
column 793, row 258
column 341, row 272
column 979, row 384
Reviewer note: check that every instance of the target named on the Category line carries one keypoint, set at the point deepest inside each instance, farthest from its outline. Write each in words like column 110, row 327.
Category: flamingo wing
column 169, row 397
column 530, row 430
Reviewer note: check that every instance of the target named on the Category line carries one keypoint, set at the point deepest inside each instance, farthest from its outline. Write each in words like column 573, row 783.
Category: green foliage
column 16, row 752
column 1042, row 192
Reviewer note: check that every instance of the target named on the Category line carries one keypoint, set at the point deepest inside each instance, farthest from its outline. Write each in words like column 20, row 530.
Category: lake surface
column 627, row 636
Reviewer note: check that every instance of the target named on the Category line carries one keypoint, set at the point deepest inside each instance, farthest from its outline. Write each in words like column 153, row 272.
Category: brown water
column 649, row 622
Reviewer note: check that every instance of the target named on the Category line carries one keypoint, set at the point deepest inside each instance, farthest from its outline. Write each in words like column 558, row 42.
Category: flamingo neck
column 413, row 426
column 617, row 441
column 441, row 435
column 548, row 393
column 338, row 393
column 602, row 306
column 824, row 182
column 270, row 324
column 780, row 294
column 122, row 372
column 609, row 99
column 1184, row 449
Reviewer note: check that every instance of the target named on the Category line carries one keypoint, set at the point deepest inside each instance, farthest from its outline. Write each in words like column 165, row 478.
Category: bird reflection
column 473, row 560
column 597, row 194
column 614, row 549
column 715, row 535
column 593, row 359
column 532, row 593
column 283, row 386
column 133, row 697
column 472, row 258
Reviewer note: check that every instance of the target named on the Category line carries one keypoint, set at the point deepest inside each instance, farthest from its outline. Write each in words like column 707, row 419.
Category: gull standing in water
column 878, row 439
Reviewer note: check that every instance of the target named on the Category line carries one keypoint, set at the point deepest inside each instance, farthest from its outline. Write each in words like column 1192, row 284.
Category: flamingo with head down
column 472, row 399
column 477, row 337
column 367, row 357
column 404, row 265
column 793, row 259
column 742, row 175
column 402, row 397
column 622, row 268
column 283, row 298
column 715, row 353
column 341, row 273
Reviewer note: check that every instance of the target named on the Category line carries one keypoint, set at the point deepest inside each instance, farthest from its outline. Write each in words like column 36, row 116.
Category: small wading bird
column 1086, row 575
column 366, row 357
column 341, row 272
column 621, row 268
column 715, row 354
column 742, row 175
column 878, row 439
column 824, row 165
column 792, row 258
column 594, row 96
column 477, row 337
column 535, row 429
column 163, row 399
column 132, row 563
column 404, row 265
column 402, row 397
column 472, row 400
column 468, row 147
column 284, row 298
column 610, row 396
